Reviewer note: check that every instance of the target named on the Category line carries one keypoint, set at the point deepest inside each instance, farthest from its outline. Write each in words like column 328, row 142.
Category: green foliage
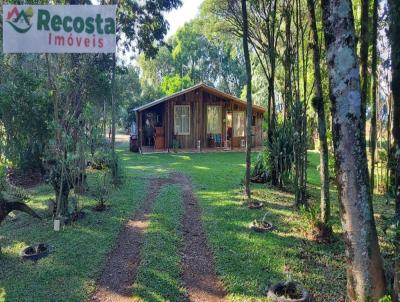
column 175, row 83
column 392, row 230
column 310, row 216
column 143, row 25
column 24, row 110
column 117, row 172
column 280, row 150
column 194, row 57
column 386, row 298
column 261, row 166
column 103, row 188
column 93, row 235
column 3, row 177
column 101, row 160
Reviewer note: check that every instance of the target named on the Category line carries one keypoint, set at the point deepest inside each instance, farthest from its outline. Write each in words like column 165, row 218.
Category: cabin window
column 214, row 119
column 238, row 123
column 182, row 119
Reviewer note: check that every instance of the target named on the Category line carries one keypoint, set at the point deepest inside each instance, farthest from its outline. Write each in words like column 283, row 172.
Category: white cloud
column 177, row 18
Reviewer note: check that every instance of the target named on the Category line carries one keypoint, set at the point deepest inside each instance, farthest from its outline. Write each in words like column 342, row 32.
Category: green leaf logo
column 20, row 21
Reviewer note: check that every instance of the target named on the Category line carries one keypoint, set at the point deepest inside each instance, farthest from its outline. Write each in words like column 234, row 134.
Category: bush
column 281, row 152
column 101, row 160
column 116, row 170
column 261, row 170
column 103, row 188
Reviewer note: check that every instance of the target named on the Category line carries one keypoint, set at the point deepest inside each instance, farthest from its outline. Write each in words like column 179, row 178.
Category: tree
column 248, row 96
column 173, row 84
column 394, row 27
column 365, row 275
column 24, row 111
column 374, row 92
column 299, row 111
column 318, row 104
column 264, row 24
column 364, row 60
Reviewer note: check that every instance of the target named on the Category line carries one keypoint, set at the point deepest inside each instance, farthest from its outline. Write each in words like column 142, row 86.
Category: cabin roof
column 205, row 87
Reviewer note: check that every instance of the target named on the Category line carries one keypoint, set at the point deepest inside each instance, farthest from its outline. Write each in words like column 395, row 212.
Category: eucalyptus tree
column 248, row 96
column 318, row 104
column 364, row 47
column 194, row 55
column 374, row 90
column 301, row 96
column 265, row 21
column 394, row 28
column 365, row 275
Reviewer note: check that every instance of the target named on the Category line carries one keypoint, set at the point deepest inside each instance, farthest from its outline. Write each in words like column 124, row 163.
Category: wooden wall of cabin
column 257, row 138
column 198, row 101
column 193, row 100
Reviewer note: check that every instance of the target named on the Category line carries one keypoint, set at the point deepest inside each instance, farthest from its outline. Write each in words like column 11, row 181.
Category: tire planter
column 261, row 226
column 288, row 292
column 36, row 252
column 254, row 205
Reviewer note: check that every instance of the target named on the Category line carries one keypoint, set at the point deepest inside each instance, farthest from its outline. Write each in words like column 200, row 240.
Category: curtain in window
column 214, row 119
column 238, row 123
column 182, row 119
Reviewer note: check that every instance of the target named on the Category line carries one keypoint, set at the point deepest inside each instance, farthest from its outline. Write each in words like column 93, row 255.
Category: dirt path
column 116, row 281
column 199, row 276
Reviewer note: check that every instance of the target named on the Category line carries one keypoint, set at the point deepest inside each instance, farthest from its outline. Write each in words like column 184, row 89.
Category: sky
column 178, row 17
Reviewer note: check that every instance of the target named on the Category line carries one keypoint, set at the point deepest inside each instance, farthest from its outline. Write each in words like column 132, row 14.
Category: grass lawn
column 246, row 262
column 80, row 249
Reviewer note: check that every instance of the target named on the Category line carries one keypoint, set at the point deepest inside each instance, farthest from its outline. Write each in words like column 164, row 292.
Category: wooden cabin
column 197, row 118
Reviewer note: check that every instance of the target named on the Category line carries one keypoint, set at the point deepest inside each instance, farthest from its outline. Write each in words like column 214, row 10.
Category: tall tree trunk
column 59, row 181
column 275, row 180
column 78, row 131
column 113, row 104
column 374, row 91
column 288, row 60
column 364, row 62
column 365, row 275
column 318, row 104
column 389, row 141
column 394, row 10
column 271, row 107
column 249, row 100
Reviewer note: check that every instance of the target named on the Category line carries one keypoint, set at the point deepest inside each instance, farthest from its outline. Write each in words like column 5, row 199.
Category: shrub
column 101, row 160
column 261, row 170
column 103, row 188
column 117, row 174
column 280, row 152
